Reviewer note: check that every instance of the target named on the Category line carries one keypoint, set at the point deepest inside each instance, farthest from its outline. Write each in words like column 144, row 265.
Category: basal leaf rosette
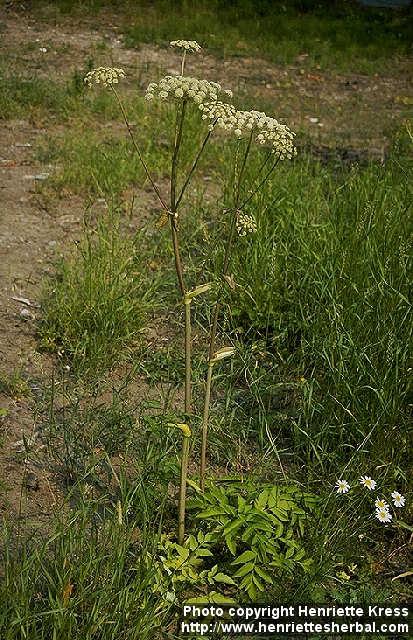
column 264, row 130
column 178, row 88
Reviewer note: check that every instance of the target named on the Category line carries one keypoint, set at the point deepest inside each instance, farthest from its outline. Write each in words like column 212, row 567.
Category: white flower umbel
column 189, row 46
column 381, row 504
column 245, row 224
column 219, row 113
column 398, row 499
column 367, row 482
column 183, row 88
column 104, row 75
column 342, row 486
column 383, row 515
column 265, row 131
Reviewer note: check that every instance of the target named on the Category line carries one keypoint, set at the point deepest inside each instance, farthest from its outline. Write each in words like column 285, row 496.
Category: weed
column 14, row 384
column 97, row 306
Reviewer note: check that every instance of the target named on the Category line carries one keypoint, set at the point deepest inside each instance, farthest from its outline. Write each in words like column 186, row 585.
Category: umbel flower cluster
column 104, row 75
column 261, row 129
column 382, row 512
column 245, row 224
column 187, row 45
column 185, row 88
column 265, row 131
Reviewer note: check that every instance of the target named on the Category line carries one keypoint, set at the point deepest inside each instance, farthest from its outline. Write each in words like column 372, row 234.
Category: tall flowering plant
column 248, row 129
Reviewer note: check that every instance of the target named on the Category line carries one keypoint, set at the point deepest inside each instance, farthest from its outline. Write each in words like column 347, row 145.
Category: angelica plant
column 249, row 129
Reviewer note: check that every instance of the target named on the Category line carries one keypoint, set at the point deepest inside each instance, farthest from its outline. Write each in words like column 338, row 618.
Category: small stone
column 39, row 176
column 22, row 145
column 32, row 481
column 313, row 120
column 26, row 315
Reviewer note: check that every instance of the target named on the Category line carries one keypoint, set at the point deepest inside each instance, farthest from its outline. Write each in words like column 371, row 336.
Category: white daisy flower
column 342, row 486
column 383, row 515
column 398, row 499
column 368, row 482
column 381, row 504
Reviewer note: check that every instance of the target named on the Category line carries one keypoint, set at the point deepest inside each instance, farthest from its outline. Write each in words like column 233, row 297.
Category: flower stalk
column 251, row 126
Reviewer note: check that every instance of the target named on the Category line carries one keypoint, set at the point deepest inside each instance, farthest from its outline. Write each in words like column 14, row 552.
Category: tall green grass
column 90, row 578
column 97, row 306
column 325, row 283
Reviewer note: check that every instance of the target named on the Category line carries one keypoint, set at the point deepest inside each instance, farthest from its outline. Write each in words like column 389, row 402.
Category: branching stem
column 138, row 151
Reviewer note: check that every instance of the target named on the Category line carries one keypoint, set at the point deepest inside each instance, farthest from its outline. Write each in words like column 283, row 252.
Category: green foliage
column 179, row 568
column 341, row 34
column 87, row 578
column 324, row 283
column 22, row 94
column 341, row 37
column 14, row 384
column 98, row 304
column 262, row 527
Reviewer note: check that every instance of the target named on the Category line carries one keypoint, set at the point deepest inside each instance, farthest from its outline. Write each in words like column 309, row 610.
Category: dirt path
column 30, row 238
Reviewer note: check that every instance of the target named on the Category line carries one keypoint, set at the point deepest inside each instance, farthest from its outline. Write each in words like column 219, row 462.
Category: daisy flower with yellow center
column 342, row 486
column 398, row 499
column 368, row 482
column 383, row 515
column 381, row 504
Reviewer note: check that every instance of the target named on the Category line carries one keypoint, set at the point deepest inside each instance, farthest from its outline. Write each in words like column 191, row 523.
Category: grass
column 96, row 308
column 14, row 384
column 27, row 94
column 339, row 35
column 325, row 284
column 47, row 592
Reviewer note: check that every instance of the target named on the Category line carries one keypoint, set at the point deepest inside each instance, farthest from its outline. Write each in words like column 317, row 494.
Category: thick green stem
column 180, row 116
column 187, row 338
column 182, row 490
column 173, row 209
column 177, row 256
